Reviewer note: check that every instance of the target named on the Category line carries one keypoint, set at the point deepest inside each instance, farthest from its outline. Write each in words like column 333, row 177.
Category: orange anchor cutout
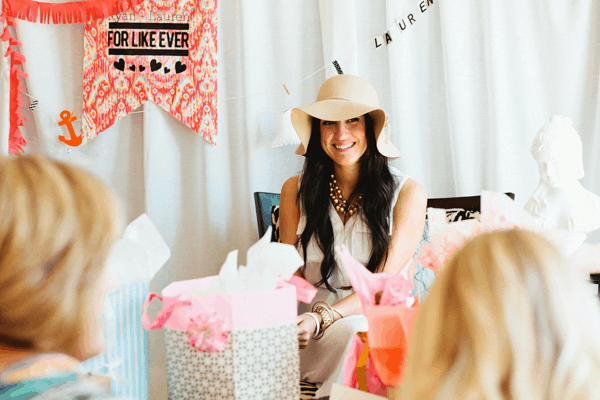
column 67, row 119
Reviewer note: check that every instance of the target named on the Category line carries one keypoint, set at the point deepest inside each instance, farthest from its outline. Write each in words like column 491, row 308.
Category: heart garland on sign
column 179, row 67
column 120, row 65
column 155, row 65
column 45, row 13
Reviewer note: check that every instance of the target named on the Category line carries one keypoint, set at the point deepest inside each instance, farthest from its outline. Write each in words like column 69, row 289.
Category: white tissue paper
column 139, row 254
column 266, row 260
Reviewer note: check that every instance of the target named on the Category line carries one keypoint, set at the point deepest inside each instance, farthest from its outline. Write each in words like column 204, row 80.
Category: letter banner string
column 46, row 13
column 383, row 38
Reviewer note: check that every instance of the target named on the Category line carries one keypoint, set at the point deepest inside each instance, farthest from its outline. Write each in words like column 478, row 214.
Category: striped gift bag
column 125, row 357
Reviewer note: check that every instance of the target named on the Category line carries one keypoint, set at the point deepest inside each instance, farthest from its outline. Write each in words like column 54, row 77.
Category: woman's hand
column 306, row 329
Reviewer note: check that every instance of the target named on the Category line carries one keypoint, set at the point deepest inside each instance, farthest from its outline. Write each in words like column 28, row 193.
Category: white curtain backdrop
column 467, row 85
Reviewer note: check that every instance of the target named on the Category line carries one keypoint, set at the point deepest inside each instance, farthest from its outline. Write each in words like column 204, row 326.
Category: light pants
column 322, row 361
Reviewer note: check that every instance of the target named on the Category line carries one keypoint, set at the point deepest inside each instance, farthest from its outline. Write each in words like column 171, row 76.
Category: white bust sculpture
column 560, row 201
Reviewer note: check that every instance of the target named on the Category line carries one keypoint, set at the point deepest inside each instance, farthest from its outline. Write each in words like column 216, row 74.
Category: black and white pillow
column 275, row 224
column 459, row 214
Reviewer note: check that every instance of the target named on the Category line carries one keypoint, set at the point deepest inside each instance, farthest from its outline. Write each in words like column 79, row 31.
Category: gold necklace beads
column 338, row 200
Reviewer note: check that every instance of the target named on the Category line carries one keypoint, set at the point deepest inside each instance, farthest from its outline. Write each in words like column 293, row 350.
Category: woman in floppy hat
column 347, row 195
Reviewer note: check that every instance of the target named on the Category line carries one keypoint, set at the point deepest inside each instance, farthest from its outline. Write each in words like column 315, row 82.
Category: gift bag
column 377, row 358
column 389, row 338
column 231, row 345
column 125, row 356
column 133, row 261
column 359, row 371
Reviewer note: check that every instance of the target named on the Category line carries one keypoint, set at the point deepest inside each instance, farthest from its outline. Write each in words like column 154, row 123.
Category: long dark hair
column 376, row 184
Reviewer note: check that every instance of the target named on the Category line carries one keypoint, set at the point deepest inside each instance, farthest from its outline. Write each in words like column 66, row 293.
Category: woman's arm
column 289, row 214
column 288, row 211
column 407, row 226
column 288, row 225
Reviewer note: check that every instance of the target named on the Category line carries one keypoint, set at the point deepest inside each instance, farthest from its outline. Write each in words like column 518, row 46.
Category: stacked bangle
column 325, row 306
column 316, row 323
column 326, row 313
column 335, row 309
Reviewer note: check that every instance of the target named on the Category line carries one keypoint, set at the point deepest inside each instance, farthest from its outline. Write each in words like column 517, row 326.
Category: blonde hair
column 57, row 224
column 506, row 319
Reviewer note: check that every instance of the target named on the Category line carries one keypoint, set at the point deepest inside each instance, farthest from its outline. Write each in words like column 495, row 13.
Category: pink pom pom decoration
column 498, row 212
column 207, row 333
column 396, row 291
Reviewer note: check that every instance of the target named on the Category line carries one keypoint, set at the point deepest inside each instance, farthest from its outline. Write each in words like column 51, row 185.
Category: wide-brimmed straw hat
column 342, row 97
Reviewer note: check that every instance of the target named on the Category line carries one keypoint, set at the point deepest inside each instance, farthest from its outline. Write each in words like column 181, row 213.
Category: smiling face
column 344, row 142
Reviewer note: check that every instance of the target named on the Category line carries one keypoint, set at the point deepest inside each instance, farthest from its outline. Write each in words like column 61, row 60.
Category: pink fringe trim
column 16, row 118
column 67, row 13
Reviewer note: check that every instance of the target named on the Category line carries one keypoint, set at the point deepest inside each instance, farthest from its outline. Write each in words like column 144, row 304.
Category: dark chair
column 595, row 279
column 266, row 204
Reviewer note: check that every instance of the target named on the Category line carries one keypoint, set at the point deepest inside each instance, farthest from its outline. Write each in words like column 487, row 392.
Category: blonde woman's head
column 57, row 224
column 506, row 319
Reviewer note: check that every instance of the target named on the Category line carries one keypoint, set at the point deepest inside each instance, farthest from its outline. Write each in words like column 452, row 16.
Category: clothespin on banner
column 337, row 67
column 286, row 97
column 33, row 104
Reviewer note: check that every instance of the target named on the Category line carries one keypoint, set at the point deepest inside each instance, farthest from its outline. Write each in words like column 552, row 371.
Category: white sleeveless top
column 355, row 235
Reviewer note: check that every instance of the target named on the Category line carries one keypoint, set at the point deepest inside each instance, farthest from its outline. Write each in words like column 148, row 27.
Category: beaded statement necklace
column 341, row 205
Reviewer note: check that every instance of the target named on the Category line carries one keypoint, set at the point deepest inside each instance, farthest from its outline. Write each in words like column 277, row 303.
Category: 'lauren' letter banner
column 163, row 51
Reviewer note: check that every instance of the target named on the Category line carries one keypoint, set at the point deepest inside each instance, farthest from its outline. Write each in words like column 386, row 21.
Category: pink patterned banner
column 163, row 51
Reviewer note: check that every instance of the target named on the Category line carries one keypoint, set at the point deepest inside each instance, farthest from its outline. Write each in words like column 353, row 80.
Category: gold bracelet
column 336, row 310
column 326, row 313
column 328, row 307
column 318, row 329
column 325, row 316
